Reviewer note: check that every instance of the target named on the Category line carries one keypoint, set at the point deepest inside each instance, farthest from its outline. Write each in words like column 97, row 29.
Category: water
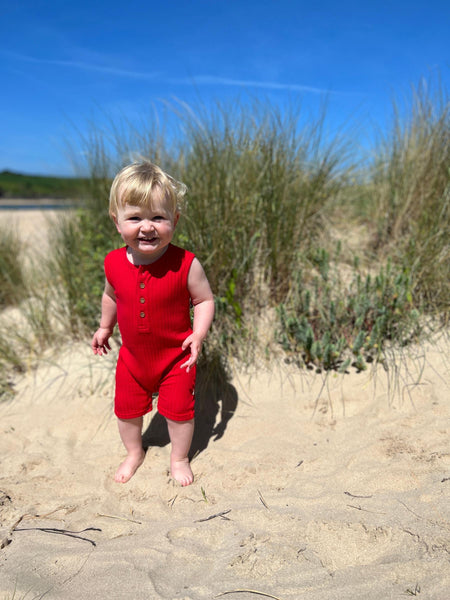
column 35, row 206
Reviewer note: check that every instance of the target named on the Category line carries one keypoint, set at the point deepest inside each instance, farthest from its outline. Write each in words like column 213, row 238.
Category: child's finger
column 186, row 342
column 190, row 362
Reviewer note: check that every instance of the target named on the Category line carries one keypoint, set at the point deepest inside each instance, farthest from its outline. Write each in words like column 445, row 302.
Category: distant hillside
column 16, row 185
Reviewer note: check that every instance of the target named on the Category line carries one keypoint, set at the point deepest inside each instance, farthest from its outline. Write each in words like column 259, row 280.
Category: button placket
column 142, row 287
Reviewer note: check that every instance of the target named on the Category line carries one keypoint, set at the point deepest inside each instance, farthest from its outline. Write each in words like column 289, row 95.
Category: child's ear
column 175, row 219
column 114, row 218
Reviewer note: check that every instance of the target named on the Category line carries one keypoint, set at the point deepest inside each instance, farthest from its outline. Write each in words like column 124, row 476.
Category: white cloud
column 269, row 85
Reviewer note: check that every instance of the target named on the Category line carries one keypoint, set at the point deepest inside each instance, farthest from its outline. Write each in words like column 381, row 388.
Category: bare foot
column 129, row 467
column 181, row 471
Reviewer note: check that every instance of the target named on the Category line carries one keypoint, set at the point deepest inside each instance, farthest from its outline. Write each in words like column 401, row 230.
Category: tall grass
column 82, row 240
column 259, row 184
column 12, row 291
column 12, row 361
column 410, row 193
column 80, row 244
column 28, row 319
column 12, row 281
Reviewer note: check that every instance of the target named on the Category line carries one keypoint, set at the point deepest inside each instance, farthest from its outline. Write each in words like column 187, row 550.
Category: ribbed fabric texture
column 153, row 311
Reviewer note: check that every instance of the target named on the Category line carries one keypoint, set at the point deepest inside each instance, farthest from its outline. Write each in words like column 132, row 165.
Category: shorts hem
column 188, row 416
column 135, row 415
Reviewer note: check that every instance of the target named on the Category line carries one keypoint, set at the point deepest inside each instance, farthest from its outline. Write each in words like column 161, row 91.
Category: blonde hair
column 147, row 185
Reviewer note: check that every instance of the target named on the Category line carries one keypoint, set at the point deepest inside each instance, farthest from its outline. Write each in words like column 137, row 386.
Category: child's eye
column 134, row 218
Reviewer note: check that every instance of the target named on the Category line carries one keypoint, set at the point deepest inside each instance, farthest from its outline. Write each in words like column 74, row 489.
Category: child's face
column 146, row 231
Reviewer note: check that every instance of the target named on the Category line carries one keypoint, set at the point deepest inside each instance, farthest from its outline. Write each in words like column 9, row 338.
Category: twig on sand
column 353, row 496
column 248, row 592
column 413, row 592
column 73, row 534
column 262, row 500
column 120, row 518
column 171, row 502
column 375, row 512
column 221, row 515
column 411, row 511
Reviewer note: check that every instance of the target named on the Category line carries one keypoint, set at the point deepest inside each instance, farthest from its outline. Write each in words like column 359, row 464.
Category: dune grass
column 12, row 280
column 80, row 244
column 410, row 194
column 12, row 291
column 267, row 191
column 259, row 183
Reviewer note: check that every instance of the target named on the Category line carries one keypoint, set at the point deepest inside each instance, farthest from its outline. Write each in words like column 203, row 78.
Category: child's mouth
column 146, row 240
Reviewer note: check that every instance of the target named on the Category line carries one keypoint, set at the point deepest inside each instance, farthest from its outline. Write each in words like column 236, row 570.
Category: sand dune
column 31, row 225
column 306, row 491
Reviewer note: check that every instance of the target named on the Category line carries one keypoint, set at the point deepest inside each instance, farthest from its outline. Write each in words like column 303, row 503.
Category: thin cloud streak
column 82, row 65
column 195, row 80
column 270, row 85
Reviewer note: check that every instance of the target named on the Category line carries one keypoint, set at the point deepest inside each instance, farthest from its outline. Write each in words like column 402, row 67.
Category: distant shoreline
column 35, row 204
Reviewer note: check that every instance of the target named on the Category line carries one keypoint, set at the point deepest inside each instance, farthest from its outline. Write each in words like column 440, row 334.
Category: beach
column 307, row 485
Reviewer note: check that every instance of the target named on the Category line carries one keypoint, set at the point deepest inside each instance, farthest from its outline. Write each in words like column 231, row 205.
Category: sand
column 31, row 225
column 305, row 487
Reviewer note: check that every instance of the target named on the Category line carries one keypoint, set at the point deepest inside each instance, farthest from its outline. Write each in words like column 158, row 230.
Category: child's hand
column 195, row 342
column 100, row 344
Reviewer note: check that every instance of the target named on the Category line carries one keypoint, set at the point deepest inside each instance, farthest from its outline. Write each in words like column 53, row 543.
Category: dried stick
column 248, row 592
column 221, row 514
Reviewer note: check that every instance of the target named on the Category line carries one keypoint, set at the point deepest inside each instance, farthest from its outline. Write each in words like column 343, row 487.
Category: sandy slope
column 350, row 500
column 31, row 225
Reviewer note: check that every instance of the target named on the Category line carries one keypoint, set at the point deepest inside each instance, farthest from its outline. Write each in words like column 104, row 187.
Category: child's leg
column 131, row 434
column 180, row 433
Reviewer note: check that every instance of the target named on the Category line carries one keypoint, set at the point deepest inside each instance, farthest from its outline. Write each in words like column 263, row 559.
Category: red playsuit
column 153, row 314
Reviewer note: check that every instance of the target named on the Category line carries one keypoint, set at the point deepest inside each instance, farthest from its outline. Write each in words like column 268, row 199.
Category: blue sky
column 63, row 62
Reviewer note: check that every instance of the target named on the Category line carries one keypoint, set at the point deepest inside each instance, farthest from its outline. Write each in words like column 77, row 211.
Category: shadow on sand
column 214, row 397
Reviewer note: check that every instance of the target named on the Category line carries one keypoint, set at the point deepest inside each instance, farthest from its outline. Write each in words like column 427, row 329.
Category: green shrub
column 332, row 326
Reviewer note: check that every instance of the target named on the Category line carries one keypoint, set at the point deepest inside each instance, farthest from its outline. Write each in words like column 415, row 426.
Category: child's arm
column 203, row 301
column 100, row 344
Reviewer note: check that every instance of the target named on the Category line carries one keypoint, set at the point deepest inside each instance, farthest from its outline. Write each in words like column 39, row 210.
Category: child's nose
column 147, row 225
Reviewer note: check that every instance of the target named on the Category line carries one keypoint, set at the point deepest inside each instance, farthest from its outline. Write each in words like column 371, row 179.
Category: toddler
column 150, row 287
